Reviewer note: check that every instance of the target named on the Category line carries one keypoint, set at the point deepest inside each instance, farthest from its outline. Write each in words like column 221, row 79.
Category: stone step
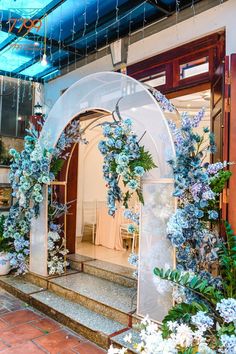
column 106, row 270
column 110, row 299
column 118, row 341
column 82, row 320
column 77, row 261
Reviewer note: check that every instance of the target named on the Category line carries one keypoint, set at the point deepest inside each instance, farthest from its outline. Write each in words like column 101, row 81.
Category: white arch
column 102, row 91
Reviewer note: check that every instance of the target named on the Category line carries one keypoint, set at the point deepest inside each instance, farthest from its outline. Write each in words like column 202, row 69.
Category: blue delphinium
column 188, row 229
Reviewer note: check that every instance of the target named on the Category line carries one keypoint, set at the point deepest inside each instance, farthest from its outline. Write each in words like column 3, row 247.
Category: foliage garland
column 30, row 171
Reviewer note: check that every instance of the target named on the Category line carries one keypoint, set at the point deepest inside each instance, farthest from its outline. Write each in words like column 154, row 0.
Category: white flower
column 113, row 350
column 128, row 338
column 184, row 336
column 172, row 325
column 204, row 349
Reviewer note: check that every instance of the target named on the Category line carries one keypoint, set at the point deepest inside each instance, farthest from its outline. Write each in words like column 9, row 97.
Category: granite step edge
column 90, row 303
column 117, row 340
column 19, row 287
column 58, row 312
column 109, row 274
column 37, row 298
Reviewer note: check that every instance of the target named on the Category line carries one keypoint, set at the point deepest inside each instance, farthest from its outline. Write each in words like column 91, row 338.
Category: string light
column 44, row 60
column 144, row 19
column 50, row 39
column 95, row 29
column 177, row 9
column 107, row 42
column 1, row 17
column 23, row 91
column 130, row 27
column 193, row 7
column 113, row 23
column 86, row 51
column 117, row 19
column 73, row 28
column 59, row 40
column 85, row 18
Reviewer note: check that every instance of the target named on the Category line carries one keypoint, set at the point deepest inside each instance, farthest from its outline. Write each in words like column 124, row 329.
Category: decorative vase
column 4, row 263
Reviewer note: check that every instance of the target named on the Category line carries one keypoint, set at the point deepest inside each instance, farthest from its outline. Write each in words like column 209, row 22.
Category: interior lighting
column 44, row 60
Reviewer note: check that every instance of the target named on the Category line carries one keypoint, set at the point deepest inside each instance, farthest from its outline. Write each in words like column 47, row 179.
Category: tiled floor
column 103, row 253
column 24, row 330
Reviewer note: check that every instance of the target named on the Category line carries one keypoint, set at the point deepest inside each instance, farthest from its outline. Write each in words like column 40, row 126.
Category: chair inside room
column 89, row 221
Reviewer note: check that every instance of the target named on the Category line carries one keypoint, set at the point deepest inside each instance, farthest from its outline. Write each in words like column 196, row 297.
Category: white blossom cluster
column 56, row 254
column 152, row 341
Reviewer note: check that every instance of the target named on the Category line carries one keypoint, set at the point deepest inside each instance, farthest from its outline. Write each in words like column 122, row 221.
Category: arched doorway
column 100, row 92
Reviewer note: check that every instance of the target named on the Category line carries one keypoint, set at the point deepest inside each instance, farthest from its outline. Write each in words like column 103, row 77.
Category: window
column 155, row 80
column 15, row 106
column 194, row 67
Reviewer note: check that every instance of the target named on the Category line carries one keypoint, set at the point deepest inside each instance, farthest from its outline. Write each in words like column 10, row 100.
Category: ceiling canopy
column 38, row 38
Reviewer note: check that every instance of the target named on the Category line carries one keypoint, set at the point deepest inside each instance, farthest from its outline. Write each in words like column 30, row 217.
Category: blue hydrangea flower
column 139, row 171
column 122, row 159
column 227, row 309
column 132, row 184
column 202, row 321
column 213, row 215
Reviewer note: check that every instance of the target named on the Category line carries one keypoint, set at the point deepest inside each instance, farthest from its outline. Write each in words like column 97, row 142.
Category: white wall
column 212, row 20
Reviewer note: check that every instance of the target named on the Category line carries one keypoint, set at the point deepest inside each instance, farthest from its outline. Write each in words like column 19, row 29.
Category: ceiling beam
column 19, row 76
column 159, row 5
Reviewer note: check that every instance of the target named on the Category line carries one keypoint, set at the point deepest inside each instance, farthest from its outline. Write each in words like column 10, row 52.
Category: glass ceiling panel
column 10, row 60
column 85, row 25
column 35, row 69
column 22, row 7
column 70, row 16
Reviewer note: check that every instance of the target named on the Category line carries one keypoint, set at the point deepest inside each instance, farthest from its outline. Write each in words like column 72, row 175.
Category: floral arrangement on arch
column 193, row 228
column 124, row 161
column 205, row 326
column 30, row 170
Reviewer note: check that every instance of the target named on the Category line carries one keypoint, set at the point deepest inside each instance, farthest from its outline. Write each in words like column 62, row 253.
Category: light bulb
column 44, row 60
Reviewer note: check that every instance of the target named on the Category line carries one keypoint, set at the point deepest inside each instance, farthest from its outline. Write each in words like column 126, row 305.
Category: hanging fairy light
column 144, row 19
column 85, row 18
column 95, row 28
column 130, row 27
column 59, row 40
column 193, row 7
column 44, row 59
column 117, row 19
column 177, row 9
column 73, row 27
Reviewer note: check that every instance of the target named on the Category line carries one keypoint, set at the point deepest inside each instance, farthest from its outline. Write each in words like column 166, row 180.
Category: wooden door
column 219, row 121
column 72, row 180
column 232, row 142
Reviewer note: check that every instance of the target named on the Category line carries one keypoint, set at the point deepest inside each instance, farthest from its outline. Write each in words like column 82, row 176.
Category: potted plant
column 4, row 250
